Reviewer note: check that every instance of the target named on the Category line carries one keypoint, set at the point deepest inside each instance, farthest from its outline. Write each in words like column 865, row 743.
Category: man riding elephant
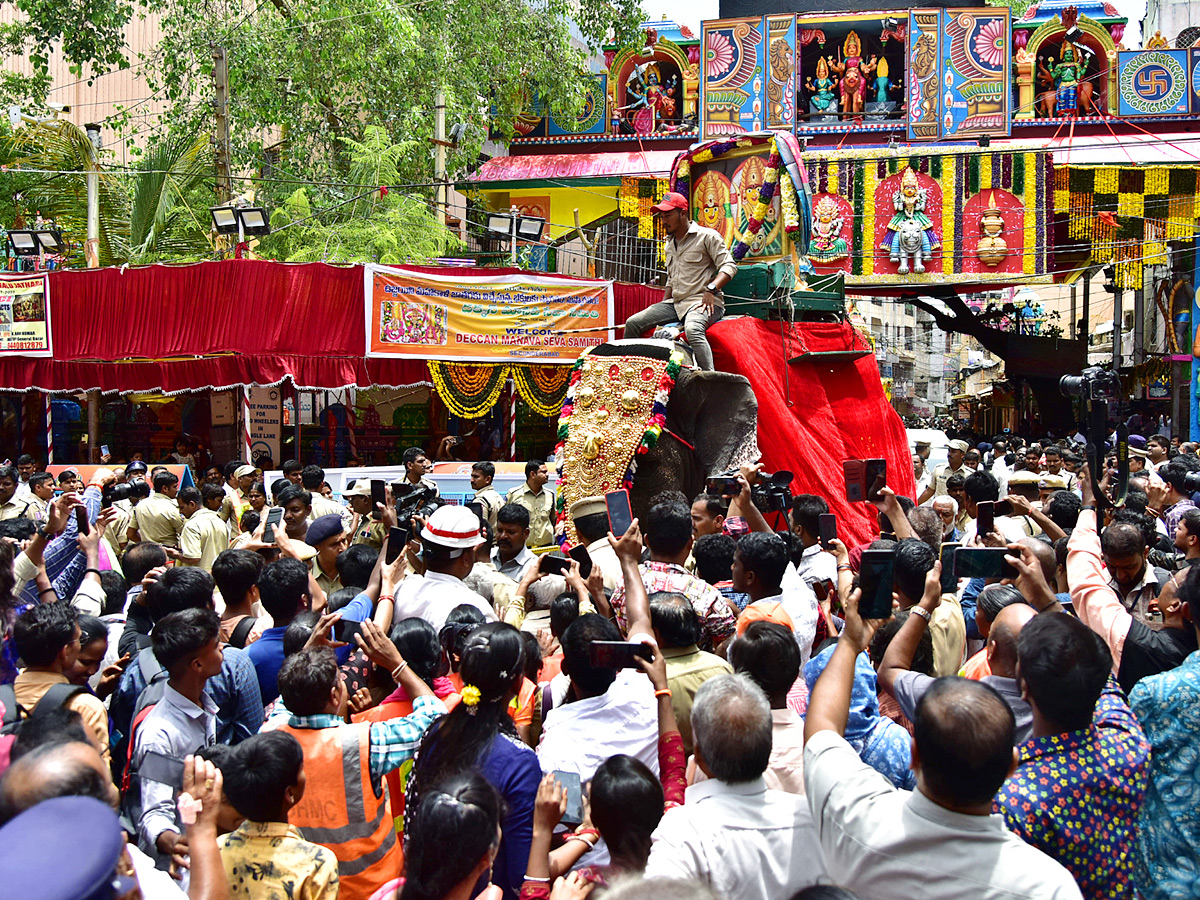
column 698, row 266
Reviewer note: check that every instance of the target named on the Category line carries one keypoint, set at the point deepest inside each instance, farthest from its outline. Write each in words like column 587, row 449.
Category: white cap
column 452, row 526
column 961, row 446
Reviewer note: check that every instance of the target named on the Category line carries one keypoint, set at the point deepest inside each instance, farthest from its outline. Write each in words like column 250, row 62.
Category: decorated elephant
column 639, row 414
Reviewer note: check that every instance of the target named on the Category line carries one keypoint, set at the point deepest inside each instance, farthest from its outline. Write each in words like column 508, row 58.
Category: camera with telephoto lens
column 772, row 492
column 1093, row 383
column 1191, row 483
column 414, row 500
column 114, row 493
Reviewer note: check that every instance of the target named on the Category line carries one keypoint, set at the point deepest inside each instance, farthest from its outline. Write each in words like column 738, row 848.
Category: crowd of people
column 241, row 690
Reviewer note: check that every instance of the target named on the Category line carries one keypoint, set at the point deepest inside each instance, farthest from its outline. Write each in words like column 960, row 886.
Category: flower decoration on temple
column 718, row 54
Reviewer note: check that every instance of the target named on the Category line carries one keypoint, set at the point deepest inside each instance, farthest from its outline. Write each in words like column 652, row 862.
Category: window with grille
column 623, row 256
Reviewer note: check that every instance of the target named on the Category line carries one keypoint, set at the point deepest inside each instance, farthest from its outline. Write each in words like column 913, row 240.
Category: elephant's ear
column 717, row 414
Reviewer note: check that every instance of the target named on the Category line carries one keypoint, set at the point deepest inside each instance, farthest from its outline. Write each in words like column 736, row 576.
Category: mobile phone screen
column 104, row 449
column 345, row 630
column 982, row 562
column 985, row 521
column 397, row 540
column 620, row 516
column 854, row 472
column 551, row 564
column 477, row 508
column 827, row 525
column 949, row 579
column 580, row 554
column 874, row 478
column 81, row 520
column 574, row 812
column 619, row 654
column 378, row 492
column 875, row 582
column 274, row 517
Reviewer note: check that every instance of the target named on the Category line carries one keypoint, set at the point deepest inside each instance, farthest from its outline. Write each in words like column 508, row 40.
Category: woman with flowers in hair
column 479, row 734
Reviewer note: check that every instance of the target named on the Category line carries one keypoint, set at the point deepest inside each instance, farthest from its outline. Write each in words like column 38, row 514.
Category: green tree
column 372, row 225
column 305, row 75
column 146, row 215
column 90, row 34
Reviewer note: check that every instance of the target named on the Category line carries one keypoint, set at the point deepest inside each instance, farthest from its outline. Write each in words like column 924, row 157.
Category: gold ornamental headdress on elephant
column 615, row 410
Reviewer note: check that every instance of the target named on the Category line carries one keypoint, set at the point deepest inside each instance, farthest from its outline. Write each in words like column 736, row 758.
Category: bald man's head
column 73, row 769
column 1045, row 555
column 1002, row 639
column 963, row 738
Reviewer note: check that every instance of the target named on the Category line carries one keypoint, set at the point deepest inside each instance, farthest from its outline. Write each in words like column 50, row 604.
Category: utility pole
column 221, row 108
column 439, row 158
column 92, row 257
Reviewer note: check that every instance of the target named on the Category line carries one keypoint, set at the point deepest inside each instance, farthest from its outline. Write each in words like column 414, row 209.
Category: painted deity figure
column 883, row 83
column 651, row 99
column 822, row 99
column 910, row 232
column 827, row 244
column 1066, row 80
column 854, row 71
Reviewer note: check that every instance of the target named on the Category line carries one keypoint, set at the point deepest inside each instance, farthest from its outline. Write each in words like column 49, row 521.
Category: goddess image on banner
column 484, row 318
column 25, row 316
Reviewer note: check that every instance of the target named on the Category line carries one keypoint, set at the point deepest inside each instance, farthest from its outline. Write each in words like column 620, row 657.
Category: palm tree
column 144, row 215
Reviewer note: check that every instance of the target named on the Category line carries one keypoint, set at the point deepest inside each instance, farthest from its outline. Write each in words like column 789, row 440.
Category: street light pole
column 514, row 213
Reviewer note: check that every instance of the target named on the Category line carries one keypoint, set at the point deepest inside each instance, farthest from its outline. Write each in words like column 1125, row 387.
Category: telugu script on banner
column 474, row 318
column 25, row 316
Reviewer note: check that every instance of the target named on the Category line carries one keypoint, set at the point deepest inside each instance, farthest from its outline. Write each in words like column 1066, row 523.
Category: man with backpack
column 234, row 689
column 46, row 637
column 183, row 720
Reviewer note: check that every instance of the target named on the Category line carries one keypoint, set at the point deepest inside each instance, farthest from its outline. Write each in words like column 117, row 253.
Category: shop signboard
column 25, row 316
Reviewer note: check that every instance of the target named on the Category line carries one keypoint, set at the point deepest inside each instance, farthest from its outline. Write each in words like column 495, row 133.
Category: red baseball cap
column 672, row 201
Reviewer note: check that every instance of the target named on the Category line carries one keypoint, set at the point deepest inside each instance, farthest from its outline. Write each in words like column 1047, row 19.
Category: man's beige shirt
column 692, row 263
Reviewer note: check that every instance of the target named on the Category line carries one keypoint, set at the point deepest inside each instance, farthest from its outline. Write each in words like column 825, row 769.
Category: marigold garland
column 468, row 390
column 542, row 387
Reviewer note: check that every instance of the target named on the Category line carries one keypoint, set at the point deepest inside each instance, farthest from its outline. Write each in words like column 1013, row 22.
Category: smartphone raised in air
column 620, row 515
column 827, row 528
column 875, row 582
column 619, row 654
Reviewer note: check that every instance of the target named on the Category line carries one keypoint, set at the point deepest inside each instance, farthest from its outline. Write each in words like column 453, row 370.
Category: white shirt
column 885, row 843
column 817, row 565
column 432, row 597
column 1008, row 526
column 747, row 842
column 800, row 603
column 577, row 737
column 516, row 567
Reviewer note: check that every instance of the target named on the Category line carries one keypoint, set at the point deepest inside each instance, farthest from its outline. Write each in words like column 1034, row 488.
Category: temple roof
column 1045, row 10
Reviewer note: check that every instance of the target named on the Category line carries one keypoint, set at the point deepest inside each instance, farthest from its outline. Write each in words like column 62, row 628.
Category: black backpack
column 241, row 631
column 14, row 714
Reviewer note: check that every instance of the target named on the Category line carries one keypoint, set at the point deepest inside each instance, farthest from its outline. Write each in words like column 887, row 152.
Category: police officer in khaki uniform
column 371, row 530
column 10, row 506
column 539, row 500
column 157, row 518
column 486, row 496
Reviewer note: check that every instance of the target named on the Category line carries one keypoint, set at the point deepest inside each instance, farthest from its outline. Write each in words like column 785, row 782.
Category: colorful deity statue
column 854, row 71
column 910, row 232
column 1066, row 80
column 822, row 88
column 651, row 98
column 827, row 244
column 883, row 83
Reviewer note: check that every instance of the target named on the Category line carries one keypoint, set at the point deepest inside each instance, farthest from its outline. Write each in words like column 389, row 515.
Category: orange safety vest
column 342, row 811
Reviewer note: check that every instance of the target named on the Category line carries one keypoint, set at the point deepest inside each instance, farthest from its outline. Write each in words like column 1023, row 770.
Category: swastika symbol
column 1152, row 82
